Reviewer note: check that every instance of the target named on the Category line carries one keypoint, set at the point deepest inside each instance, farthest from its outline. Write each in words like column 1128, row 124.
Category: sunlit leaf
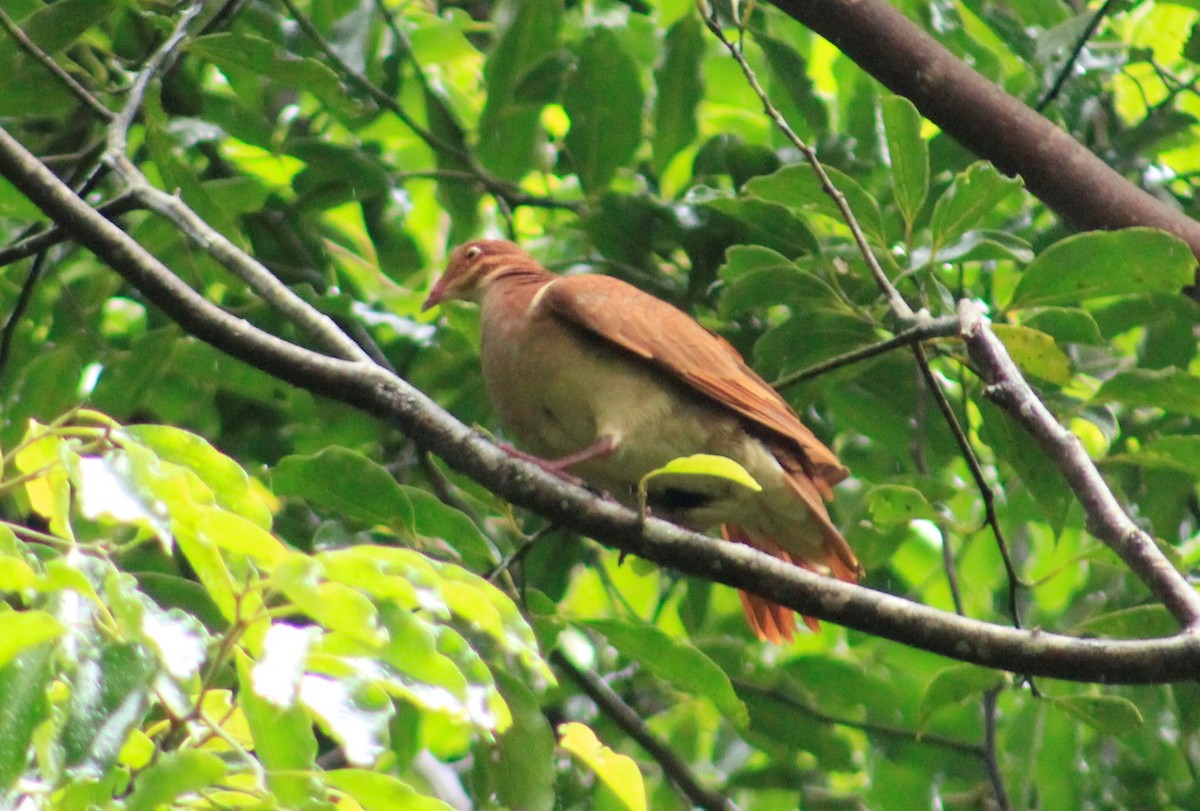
column 618, row 773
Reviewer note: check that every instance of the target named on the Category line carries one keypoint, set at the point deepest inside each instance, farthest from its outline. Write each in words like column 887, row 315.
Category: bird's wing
column 673, row 342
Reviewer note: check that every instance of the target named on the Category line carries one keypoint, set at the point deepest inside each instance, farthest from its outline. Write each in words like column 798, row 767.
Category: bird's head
column 472, row 266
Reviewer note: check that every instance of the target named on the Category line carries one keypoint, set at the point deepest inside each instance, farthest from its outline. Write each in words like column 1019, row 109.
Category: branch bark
column 377, row 391
column 1060, row 171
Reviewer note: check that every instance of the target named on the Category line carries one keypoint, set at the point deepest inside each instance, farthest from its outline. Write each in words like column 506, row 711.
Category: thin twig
column 942, row 327
column 884, row 730
column 18, row 310
column 1065, row 72
column 50, row 237
column 624, row 716
column 30, row 47
column 991, row 757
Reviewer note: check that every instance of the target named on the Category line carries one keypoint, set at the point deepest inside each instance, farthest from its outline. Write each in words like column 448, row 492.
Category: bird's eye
column 474, row 252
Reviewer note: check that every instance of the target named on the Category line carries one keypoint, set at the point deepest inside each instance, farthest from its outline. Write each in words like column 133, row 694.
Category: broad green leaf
column 1067, row 325
column 603, row 98
column 618, row 773
column 353, row 712
column 543, row 83
column 1105, row 263
column 49, row 492
column 238, row 535
column 956, row 684
column 334, row 605
column 380, row 792
column 24, row 630
column 790, row 70
column 284, row 744
column 1038, row 473
column 230, row 484
column 23, row 706
column 775, row 720
column 110, row 694
column 1139, row 622
column 674, row 661
column 346, row 482
column 1109, row 715
column 973, row 194
column 907, row 153
column 173, row 775
column 891, row 504
column 808, row 338
column 703, row 464
column 246, row 52
column 797, row 186
column 770, row 225
column 508, row 130
column 1035, row 352
column 680, row 88
column 1171, row 390
column 433, row 518
column 55, row 26
column 1181, row 453
column 522, row 773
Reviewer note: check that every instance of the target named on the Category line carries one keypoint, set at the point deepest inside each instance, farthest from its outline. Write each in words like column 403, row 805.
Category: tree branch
column 1105, row 517
column 1056, row 168
column 376, row 391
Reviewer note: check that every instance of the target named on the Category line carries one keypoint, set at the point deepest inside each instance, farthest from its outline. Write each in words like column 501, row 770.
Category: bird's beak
column 435, row 295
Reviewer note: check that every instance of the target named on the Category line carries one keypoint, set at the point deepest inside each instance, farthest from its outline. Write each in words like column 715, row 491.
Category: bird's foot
column 553, row 466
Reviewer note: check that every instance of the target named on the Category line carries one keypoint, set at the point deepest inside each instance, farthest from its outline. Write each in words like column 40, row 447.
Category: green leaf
column 769, row 225
column 24, row 630
column 110, row 694
column 956, row 684
column 1067, row 325
column 57, row 25
column 618, row 773
column 245, row 52
column 1035, row 352
column 798, row 186
column 680, row 89
column 908, row 155
column 284, row 743
column 508, row 129
column 23, row 706
column 380, row 792
column 1181, row 453
column 543, row 83
column 1110, row 715
column 1172, row 390
column 703, row 464
column 173, row 775
column 1041, row 478
column 49, row 491
column 973, row 194
column 523, row 773
column 790, row 69
column 1105, row 263
column 1139, row 622
column 347, row 483
column 603, row 99
column 892, row 504
column 675, row 661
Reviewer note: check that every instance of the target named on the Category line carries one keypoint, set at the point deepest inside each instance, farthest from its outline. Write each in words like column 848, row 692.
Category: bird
column 599, row 381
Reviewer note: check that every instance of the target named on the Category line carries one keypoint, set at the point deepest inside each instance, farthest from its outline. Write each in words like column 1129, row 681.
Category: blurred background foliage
column 223, row 591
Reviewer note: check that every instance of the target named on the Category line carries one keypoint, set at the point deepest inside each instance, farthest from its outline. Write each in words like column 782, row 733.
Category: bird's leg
column 602, row 447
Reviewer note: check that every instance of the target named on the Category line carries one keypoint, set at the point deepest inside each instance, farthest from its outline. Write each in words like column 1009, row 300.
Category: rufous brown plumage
column 598, row 379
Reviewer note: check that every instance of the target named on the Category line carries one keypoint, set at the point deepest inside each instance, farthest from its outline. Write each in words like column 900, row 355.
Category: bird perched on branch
column 597, row 379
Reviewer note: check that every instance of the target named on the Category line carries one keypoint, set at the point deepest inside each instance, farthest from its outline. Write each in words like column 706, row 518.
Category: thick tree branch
column 1062, row 173
column 373, row 389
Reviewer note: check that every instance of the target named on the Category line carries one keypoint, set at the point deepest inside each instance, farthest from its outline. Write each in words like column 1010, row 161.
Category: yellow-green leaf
column 618, row 773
